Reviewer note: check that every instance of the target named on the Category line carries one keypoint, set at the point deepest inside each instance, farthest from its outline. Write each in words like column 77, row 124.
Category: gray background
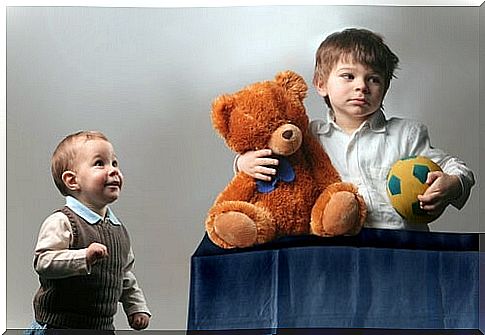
column 146, row 77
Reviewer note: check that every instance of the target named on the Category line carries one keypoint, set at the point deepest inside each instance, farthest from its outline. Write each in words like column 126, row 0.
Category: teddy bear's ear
column 221, row 112
column 293, row 83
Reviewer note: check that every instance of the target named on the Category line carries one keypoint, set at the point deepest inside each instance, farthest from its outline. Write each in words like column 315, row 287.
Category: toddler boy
column 83, row 254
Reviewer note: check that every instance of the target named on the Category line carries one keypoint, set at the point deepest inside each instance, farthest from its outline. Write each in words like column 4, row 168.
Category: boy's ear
column 321, row 89
column 69, row 179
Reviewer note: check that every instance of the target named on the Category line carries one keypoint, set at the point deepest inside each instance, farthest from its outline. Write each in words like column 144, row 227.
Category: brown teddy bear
column 306, row 196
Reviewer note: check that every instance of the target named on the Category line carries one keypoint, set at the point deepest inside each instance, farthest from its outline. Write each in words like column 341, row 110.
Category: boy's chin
column 111, row 198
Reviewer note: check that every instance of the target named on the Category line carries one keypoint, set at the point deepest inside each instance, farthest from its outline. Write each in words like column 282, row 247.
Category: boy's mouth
column 114, row 183
column 359, row 101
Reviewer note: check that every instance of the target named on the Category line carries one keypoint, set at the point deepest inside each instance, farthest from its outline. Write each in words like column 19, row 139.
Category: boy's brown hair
column 358, row 45
column 65, row 154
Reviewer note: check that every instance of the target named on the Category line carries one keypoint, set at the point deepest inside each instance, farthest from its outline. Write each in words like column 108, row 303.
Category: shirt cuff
column 461, row 200
column 137, row 309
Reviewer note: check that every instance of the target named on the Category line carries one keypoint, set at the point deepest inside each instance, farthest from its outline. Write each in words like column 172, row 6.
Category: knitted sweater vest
column 86, row 301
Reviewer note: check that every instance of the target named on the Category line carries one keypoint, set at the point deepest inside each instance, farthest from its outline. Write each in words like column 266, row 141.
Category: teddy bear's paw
column 235, row 229
column 341, row 216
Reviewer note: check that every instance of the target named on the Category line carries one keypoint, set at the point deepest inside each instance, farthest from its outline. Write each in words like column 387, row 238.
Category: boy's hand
column 255, row 164
column 443, row 188
column 95, row 251
column 139, row 321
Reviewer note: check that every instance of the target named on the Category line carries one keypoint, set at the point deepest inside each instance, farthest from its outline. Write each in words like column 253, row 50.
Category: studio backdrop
column 146, row 77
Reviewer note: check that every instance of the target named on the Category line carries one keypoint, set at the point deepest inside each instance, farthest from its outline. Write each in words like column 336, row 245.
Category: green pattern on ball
column 421, row 172
column 417, row 210
column 394, row 185
column 406, row 180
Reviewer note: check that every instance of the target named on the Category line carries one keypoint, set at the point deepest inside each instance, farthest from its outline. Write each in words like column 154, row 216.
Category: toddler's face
column 98, row 175
column 355, row 90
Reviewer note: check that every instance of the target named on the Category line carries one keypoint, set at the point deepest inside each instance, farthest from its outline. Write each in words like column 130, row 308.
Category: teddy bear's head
column 268, row 114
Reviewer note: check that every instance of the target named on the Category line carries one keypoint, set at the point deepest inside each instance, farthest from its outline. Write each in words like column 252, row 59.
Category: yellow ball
column 405, row 181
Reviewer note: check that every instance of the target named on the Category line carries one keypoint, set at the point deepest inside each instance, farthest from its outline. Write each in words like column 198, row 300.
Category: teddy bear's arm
column 241, row 188
column 323, row 170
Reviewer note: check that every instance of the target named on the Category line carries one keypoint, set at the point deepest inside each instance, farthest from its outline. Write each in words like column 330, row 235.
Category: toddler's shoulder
column 58, row 215
column 56, row 218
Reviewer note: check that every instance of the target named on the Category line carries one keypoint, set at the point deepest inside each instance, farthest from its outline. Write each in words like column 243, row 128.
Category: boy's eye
column 115, row 163
column 375, row 79
column 99, row 162
column 348, row 76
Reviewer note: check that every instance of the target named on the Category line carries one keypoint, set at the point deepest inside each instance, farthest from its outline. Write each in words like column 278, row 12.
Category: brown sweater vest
column 87, row 301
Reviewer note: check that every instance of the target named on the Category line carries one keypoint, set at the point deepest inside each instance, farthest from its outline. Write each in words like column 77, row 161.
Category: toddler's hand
column 443, row 188
column 95, row 251
column 253, row 164
column 139, row 321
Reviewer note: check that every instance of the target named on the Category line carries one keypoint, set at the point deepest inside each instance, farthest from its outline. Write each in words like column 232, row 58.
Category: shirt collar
column 91, row 217
column 376, row 123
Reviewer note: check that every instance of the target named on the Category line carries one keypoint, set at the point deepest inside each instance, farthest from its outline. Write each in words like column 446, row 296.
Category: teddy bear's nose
column 287, row 134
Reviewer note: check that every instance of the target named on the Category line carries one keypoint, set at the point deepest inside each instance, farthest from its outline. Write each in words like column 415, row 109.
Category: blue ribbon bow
column 284, row 172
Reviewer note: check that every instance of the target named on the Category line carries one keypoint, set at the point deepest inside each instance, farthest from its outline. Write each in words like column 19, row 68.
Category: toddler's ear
column 69, row 179
column 221, row 113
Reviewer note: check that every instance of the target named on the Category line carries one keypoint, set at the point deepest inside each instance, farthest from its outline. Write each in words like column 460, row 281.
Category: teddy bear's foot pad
column 341, row 214
column 236, row 229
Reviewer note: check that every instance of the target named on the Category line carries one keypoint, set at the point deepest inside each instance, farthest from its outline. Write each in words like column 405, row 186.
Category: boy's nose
column 114, row 171
column 361, row 85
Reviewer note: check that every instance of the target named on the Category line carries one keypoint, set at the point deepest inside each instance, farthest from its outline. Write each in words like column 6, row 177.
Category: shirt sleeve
column 235, row 170
column 53, row 259
column 419, row 144
column 132, row 299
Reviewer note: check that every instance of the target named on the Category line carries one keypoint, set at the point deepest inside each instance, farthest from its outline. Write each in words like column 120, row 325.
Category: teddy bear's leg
column 238, row 224
column 339, row 210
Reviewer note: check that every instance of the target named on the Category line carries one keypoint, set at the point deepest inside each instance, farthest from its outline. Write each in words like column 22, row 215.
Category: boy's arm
column 53, row 259
column 256, row 164
column 453, row 166
column 419, row 144
column 132, row 298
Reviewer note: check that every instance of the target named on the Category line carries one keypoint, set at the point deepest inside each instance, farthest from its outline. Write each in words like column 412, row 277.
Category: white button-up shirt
column 365, row 157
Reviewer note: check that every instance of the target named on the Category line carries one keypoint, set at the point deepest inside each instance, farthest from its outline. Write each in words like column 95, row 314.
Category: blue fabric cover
column 379, row 279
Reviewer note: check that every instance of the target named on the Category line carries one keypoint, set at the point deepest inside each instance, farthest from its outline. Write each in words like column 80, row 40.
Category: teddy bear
column 306, row 196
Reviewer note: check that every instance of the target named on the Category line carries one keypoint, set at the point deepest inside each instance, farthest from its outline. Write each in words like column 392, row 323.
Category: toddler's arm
column 255, row 164
column 94, row 252
column 139, row 321
column 53, row 259
column 133, row 299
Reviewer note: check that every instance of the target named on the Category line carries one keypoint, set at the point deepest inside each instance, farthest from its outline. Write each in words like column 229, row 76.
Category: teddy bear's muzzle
column 286, row 140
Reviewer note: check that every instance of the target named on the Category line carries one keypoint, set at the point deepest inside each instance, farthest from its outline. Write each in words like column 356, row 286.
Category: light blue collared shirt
column 91, row 217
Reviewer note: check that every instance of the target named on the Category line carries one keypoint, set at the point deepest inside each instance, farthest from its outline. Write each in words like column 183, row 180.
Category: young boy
column 353, row 72
column 83, row 255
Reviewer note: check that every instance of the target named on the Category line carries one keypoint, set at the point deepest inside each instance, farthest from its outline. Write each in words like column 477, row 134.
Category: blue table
column 377, row 281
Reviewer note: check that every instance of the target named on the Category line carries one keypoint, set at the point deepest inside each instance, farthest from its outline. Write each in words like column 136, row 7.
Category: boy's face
column 98, row 179
column 355, row 91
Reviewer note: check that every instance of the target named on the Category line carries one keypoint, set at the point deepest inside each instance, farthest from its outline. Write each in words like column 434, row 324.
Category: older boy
column 353, row 72
column 83, row 255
